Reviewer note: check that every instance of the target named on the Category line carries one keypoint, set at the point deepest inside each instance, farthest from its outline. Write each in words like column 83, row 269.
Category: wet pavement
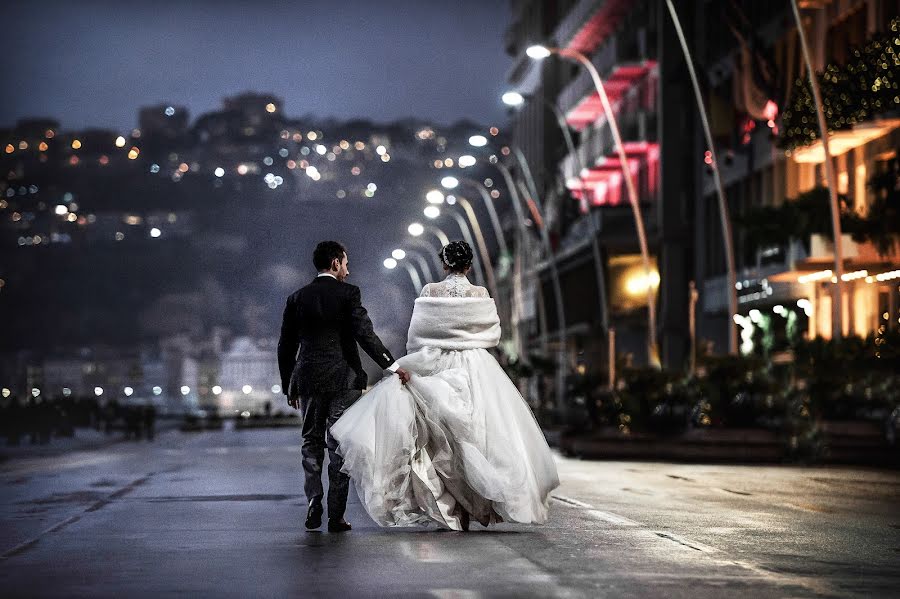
column 220, row 514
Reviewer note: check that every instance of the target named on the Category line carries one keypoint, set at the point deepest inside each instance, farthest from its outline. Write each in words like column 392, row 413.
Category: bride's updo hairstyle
column 457, row 255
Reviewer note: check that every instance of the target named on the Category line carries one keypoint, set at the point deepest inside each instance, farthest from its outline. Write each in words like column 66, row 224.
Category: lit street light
column 391, row 264
column 516, row 99
column 541, row 52
column 724, row 214
column 398, row 254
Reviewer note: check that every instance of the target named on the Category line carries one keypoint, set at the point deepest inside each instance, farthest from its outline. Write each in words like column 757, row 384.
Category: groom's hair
column 327, row 251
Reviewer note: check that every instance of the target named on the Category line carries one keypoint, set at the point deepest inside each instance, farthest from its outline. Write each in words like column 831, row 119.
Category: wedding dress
column 457, row 440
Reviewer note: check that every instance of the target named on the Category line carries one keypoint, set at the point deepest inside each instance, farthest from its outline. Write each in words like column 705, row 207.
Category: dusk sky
column 93, row 63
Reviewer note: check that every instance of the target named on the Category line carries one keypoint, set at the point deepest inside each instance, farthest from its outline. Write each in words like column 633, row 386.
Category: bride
column 457, row 441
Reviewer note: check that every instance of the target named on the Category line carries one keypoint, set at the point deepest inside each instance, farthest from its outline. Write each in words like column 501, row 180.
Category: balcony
column 629, row 87
column 590, row 23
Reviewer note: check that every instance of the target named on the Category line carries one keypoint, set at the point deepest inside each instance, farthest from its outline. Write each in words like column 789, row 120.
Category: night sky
column 94, row 63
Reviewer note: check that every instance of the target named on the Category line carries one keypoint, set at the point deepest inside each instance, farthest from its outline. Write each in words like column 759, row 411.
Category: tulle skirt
column 458, row 438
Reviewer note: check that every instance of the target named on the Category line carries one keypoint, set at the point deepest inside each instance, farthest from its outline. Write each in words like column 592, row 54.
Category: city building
column 754, row 86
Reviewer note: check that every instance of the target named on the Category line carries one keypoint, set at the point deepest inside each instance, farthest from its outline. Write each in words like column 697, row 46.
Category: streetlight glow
column 450, row 182
column 247, row 389
column 216, row 390
column 513, row 99
column 537, row 52
column 466, row 160
column 415, row 229
column 128, row 391
column 390, row 263
column 432, row 211
column 478, row 141
column 434, row 196
column 398, row 254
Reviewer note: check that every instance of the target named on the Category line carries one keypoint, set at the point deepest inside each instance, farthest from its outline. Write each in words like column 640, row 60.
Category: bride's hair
column 457, row 255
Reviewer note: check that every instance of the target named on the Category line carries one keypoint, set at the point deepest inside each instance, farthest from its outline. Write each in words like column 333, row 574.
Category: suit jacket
column 326, row 320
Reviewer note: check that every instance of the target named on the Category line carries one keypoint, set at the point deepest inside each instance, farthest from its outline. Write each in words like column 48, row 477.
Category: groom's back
column 328, row 358
column 321, row 310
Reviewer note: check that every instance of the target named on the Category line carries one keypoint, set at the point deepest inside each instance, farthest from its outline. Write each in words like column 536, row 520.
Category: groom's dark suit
column 326, row 320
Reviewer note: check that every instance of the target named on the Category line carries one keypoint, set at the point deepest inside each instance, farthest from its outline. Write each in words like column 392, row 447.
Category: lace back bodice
column 453, row 286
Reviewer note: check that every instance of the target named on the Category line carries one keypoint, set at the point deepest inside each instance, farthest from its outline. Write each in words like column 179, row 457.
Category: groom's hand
column 294, row 402
column 404, row 375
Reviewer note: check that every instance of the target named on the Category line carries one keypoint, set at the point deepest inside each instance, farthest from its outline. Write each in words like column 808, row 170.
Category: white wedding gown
column 458, row 439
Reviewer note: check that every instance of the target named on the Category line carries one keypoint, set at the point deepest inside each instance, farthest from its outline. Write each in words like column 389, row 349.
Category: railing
column 575, row 20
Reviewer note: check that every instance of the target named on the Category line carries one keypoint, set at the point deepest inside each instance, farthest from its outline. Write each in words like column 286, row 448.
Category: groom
column 325, row 320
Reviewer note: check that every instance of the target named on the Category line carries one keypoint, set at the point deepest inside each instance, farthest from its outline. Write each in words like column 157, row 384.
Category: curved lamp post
column 516, row 99
column 837, row 301
column 423, row 264
column 416, row 229
column 430, row 251
column 541, row 52
column 453, row 183
column 391, row 264
column 482, row 247
column 724, row 214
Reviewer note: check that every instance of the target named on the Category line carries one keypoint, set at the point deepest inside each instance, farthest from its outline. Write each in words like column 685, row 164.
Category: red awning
column 602, row 184
column 598, row 27
column 623, row 78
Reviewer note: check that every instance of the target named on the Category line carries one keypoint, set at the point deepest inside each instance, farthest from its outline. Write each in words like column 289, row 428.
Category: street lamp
column 479, row 141
column 391, row 264
column 514, row 98
column 417, row 229
column 724, row 215
column 837, row 301
column 453, row 182
column 423, row 264
column 486, row 263
column 435, row 196
column 431, row 211
column 398, row 254
column 541, row 52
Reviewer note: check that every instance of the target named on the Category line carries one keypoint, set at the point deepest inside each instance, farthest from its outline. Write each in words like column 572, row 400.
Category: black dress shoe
column 314, row 515
column 338, row 525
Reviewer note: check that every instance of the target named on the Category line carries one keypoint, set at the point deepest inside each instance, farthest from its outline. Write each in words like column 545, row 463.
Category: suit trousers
column 320, row 411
